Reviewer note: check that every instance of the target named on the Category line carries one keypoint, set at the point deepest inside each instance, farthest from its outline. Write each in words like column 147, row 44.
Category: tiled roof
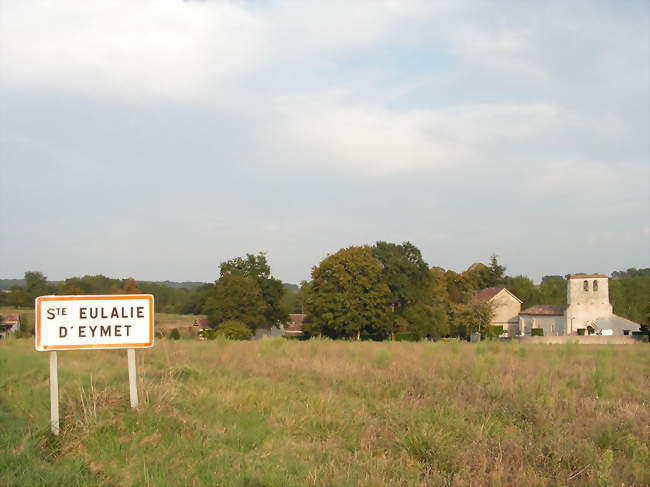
column 544, row 309
column 202, row 323
column 297, row 318
column 587, row 276
column 487, row 293
column 294, row 327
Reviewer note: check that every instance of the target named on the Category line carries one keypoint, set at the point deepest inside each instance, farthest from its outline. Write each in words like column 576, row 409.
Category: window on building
column 585, row 285
column 595, row 286
column 626, row 332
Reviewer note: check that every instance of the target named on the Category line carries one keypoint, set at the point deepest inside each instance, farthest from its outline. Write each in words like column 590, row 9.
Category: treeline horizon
column 384, row 289
column 7, row 283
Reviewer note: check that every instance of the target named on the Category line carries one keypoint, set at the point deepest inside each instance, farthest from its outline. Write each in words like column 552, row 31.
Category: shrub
column 537, row 332
column 405, row 336
column 26, row 325
column 581, row 331
column 492, row 331
column 234, row 330
column 175, row 334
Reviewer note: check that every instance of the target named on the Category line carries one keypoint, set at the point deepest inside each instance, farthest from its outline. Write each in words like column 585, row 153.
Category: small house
column 9, row 323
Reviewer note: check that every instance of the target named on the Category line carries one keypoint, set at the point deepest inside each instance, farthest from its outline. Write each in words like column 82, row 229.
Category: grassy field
column 284, row 413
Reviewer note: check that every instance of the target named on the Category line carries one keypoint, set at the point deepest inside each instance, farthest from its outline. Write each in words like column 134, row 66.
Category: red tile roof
column 587, row 276
column 544, row 309
column 295, row 324
column 298, row 318
column 487, row 293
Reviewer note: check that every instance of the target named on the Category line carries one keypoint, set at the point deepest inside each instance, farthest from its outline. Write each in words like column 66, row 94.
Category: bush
column 581, row 331
column 26, row 325
column 175, row 334
column 234, row 330
column 405, row 336
column 537, row 332
column 491, row 332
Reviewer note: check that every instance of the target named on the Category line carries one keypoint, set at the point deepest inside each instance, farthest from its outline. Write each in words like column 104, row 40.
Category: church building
column 588, row 311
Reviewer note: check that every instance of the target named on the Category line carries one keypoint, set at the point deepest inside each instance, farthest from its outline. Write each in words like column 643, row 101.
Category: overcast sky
column 156, row 139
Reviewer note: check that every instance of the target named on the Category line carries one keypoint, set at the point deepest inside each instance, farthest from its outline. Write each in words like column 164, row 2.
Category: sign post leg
column 54, row 394
column 133, row 379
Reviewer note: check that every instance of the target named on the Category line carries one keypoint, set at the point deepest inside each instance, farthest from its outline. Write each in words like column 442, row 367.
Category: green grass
column 290, row 413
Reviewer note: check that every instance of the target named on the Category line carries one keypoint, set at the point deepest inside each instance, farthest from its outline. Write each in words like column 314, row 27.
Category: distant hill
column 6, row 284
column 9, row 283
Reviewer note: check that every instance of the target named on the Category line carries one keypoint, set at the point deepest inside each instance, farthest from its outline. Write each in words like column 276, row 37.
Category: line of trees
column 376, row 292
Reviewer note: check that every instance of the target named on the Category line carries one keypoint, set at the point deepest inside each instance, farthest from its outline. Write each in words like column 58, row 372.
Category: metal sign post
column 54, row 394
column 133, row 378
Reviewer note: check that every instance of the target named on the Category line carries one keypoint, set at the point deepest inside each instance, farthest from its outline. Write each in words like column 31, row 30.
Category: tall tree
column 405, row 272
column 256, row 267
column 497, row 272
column 471, row 317
column 348, row 296
column 524, row 289
column 236, row 297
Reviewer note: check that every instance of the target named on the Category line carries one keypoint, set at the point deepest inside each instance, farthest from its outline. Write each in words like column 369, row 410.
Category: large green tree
column 405, row 272
column 256, row 267
column 415, row 306
column 348, row 296
column 237, row 298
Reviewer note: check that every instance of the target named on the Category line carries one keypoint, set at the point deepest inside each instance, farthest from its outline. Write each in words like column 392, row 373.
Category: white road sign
column 94, row 322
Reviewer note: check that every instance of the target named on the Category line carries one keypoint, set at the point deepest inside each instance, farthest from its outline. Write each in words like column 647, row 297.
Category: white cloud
column 162, row 48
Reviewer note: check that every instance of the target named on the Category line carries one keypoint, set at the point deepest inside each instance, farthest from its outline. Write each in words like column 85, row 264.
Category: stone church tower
column 587, row 301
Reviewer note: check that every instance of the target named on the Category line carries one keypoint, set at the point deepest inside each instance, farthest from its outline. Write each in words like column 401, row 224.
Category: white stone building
column 588, row 309
column 545, row 316
column 505, row 306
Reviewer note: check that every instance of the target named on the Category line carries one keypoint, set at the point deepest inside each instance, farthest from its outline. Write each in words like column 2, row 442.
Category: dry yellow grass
column 277, row 412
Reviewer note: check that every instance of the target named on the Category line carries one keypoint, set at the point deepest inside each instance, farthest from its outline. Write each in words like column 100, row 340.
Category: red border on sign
column 44, row 348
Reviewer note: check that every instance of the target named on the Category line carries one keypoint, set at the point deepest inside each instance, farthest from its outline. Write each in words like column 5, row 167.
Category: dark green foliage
column 405, row 336
column 493, row 331
column 426, row 321
column 348, row 296
column 23, row 296
column 175, row 334
column 459, row 290
column 415, row 305
column 631, row 272
column 629, row 297
column 470, row 317
column 582, row 331
column 539, row 332
column 523, row 288
column 497, row 272
column 236, row 297
column 26, row 324
column 234, row 330
column 552, row 290
column 256, row 267
column 406, row 274
column 168, row 299
column 478, row 276
column 197, row 299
